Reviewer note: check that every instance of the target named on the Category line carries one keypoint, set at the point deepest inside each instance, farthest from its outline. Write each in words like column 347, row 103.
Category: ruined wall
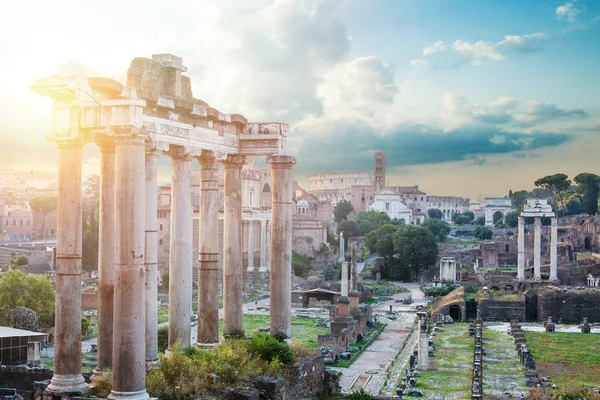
column 493, row 310
column 22, row 379
column 570, row 306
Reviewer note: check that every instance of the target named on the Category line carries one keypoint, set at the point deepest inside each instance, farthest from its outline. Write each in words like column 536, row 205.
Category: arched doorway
column 455, row 312
column 588, row 243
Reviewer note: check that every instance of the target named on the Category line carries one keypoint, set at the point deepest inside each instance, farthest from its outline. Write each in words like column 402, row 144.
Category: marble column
column 250, row 246
column 344, row 282
column 106, row 257
column 537, row 248
column 180, row 253
column 129, row 329
column 423, row 340
column 151, row 262
column 268, row 246
column 263, row 246
column 232, row 247
column 67, row 376
column 208, row 251
column 554, row 250
column 521, row 249
column 281, row 244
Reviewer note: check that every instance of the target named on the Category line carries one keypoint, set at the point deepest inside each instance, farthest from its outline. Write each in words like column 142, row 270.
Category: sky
column 465, row 97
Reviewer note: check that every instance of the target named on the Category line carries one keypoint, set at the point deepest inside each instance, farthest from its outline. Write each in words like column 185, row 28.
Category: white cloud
column 478, row 50
column 567, row 11
column 419, row 63
column 497, row 51
column 434, row 48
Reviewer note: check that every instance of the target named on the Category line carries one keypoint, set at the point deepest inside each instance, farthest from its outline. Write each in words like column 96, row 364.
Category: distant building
column 379, row 170
column 416, row 200
column 389, row 201
column 16, row 221
column 492, row 205
column 448, row 205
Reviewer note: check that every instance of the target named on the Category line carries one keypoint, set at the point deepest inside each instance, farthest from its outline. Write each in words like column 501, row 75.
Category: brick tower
column 379, row 170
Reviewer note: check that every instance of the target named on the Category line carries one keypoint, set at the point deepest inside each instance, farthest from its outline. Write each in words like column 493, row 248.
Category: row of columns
column 127, row 284
column 537, row 249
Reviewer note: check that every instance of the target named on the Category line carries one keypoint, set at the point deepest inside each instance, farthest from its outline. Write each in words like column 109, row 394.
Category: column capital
column 206, row 159
column 69, row 143
column 281, row 161
column 180, row 153
column 234, row 160
column 106, row 144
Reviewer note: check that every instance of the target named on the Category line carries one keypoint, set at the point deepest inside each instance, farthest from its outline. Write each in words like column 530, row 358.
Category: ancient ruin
column 155, row 114
column 537, row 209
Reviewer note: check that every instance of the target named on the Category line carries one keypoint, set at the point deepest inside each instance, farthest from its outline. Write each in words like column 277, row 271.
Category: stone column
column 554, row 251
column 281, row 244
column 180, row 255
column 106, row 257
column 129, row 329
column 537, row 248
column 268, row 245
column 423, row 340
column 208, row 251
column 521, row 248
column 232, row 246
column 250, row 246
column 151, row 262
column 263, row 246
column 344, row 281
column 67, row 377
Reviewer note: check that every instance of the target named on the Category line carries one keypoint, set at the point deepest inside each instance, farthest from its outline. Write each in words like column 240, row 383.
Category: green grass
column 572, row 359
column 450, row 368
column 304, row 330
column 358, row 348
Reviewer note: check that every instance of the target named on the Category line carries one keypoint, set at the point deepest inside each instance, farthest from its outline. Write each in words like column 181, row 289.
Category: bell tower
column 379, row 170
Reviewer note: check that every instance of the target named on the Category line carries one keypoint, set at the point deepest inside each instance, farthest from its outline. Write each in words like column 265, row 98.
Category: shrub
column 163, row 338
column 102, row 386
column 23, row 318
column 439, row 290
column 359, row 395
column 269, row 348
column 300, row 351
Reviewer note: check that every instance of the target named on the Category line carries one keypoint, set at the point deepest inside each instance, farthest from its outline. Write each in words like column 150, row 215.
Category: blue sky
column 465, row 97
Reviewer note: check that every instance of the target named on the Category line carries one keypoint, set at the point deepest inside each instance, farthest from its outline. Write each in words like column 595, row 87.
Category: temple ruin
column 155, row 114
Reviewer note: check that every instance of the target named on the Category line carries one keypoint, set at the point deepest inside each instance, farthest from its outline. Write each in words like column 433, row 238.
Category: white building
column 389, row 201
column 448, row 205
column 492, row 205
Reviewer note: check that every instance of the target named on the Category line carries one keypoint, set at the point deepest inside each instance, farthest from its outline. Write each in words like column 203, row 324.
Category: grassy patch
column 572, row 359
column 358, row 348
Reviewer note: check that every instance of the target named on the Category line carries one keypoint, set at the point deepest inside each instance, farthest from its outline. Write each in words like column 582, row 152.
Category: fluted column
column 537, row 248
column 263, row 246
column 232, row 246
column 268, row 245
column 521, row 249
column 180, row 256
column 208, row 251
column 129, row 329
column 554, row 250
column 67, row 337
column 151, row 262
column 281, row 244
column 250, row 246
column 106, row 256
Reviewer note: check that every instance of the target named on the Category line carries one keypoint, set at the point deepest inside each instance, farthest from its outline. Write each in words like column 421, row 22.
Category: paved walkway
column 370, row 369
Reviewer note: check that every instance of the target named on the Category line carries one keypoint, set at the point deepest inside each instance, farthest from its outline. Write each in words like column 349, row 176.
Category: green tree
column 498, row 216
column 18, row 289
column 164, row 279
column 483, row 233
column 341, row 210
column 45, row 205
column 350, row 228
column 479, row 221
column 85, row 326
column 21, row 261
column 555, row 184
column 462, row 219
column 469, row 214
column 416, row 248
column 574, row 205
column 589, row 184
column 434, row 213
column 301, row 265
column 371, row 220
column 519, row 198
column 440, row 229
column 23, row 318
column 511, row 219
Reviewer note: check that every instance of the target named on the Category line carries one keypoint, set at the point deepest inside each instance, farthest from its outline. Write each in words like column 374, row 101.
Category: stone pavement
column 400, row 364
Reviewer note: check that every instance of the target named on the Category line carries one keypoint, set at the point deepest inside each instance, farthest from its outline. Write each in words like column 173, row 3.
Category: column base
column 68, row 384
column 263, row 269
column 555, row 279
column 140, row 395
column 98, row 374
column 250, row 269
column 152, row 364
column 207, row 346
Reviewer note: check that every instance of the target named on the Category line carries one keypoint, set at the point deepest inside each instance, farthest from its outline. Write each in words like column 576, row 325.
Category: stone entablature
column 537, row 209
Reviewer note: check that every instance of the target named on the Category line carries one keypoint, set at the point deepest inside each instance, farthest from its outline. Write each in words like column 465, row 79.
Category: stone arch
column 587, row 243
column 266, row 188
column 455, row 312
column 402, row 221
column 498, row 215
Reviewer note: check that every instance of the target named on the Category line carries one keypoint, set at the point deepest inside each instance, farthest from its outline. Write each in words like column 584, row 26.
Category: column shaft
column 151, row 262
column 180, row 257
column 537, row 248
column 250, row 246
column 263, row 245
column 232, row 247
column 208, row 251
column 106, row 258
column 281, row 244
column 554, row 250
column 67, row 340
column 521, row 250
column 129, row 329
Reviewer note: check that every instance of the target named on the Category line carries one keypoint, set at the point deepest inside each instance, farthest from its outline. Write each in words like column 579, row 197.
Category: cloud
column 536, row 112
column 477, row 50
column 434, row 48
column 419, row 63
column 568, row 12
column 523, row 44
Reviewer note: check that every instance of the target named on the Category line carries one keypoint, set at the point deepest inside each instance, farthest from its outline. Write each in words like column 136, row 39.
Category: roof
column 7, row 331
column 317, row 290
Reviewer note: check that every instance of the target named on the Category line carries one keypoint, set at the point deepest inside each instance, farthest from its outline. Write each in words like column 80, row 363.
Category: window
column 161, row 242
column 161, row 228
column 28, row 221
column 387, row 206
column 21, row 222
column 507, row 248
column 421, row 198
column 14, row 222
